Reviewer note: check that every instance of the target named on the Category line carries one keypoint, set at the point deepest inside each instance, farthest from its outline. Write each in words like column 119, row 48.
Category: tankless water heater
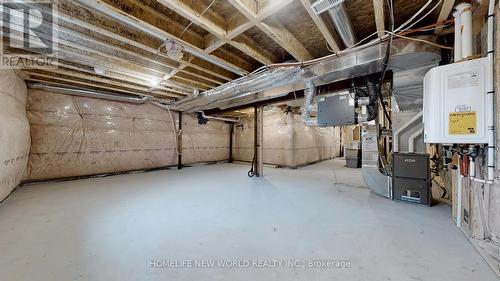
column 455, row 103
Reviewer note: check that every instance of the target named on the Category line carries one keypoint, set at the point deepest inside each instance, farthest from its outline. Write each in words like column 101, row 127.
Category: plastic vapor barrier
column 204, row 143
column 14, row 132
column 78, row 136
column 288, row 141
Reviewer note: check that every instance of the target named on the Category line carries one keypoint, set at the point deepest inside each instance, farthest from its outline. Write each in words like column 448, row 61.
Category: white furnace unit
column 455, row 103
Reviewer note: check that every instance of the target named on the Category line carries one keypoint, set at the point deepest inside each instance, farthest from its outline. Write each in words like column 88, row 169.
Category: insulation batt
column 14, row 132
column 287, row 141
column 77, row 136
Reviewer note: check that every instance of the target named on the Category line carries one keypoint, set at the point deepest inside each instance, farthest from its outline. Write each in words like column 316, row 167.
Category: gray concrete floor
column 112, row 228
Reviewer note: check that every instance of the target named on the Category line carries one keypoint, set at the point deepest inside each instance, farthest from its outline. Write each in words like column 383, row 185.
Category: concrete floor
column 112, row 228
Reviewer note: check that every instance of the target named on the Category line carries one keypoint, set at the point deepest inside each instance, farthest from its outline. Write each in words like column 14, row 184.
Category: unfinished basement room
column 249, row 140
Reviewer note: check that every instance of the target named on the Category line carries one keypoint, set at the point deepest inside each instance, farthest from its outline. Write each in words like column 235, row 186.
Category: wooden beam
column 275, row 30
column 321, row 25
column 238, row 24
column 268, row 8
column 444, row 13
column 193, row 13
column 378, row 8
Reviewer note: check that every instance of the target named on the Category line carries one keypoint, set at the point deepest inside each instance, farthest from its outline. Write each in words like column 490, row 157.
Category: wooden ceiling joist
column 123, row 78
column 321, row 26
column 248, row 46
column 77, row 21
column 69, row 13
column 445, row 13
column 65, row 73
column 273, row 28
column 146, row 19
column 378, row 8
column 72, row 81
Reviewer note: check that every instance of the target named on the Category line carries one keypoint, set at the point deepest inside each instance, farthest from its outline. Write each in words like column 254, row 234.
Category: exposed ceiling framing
column 222, row 40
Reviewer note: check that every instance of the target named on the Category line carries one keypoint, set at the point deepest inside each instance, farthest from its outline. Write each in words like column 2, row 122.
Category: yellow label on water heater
column 462, row 123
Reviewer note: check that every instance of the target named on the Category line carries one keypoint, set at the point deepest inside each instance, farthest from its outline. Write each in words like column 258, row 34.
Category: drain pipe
column 490, row 91
column 230, row 120
column 307, row 108
column 90, row 94
column 402, row 128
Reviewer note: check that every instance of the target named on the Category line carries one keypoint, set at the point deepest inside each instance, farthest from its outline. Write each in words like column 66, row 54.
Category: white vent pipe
column 458, row 37
column 411, row 140
column 463, row 31
column 490, row 91
column 402, row 128
column 230, row 120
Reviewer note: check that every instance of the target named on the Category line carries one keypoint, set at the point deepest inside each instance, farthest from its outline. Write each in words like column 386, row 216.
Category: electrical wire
column 420, row 40
column 424, row 16
column 386, row 61
column 185, row 29
column 191, row 23
column 414, row 16
column 408, row 24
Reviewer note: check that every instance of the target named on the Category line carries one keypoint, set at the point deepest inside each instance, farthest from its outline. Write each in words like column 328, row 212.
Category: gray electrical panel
column 411, row 178
column 336, row 110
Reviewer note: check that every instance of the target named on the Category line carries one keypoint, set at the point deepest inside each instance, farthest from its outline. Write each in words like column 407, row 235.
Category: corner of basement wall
column 14, row 132
column 487, row 241
column 75, row 136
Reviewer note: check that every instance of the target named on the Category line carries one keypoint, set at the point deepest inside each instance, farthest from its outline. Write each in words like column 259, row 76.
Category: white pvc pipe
column 219, row 118
column 490, row 92
column 458, row 37
column 402, row 128
column 411, row 140
column 465, row 10
column 472, row 167
column 459, row 196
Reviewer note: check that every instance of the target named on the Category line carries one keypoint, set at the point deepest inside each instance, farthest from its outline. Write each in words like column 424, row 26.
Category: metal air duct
column 337, row 12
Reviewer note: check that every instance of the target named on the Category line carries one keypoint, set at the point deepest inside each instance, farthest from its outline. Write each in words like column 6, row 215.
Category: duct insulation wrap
column 79, row 136
column 288, row 141
column 241, row 87
column 14, row 132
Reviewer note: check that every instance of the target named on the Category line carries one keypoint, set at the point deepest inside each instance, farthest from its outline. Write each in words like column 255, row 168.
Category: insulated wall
column 14, row 132
column 287, row 141
column 78, row 136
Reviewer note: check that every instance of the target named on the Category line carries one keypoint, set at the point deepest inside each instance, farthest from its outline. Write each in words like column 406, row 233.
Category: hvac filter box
column 455, row 103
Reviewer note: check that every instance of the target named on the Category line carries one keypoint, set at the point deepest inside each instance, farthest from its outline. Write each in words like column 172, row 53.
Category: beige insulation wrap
column 77, row 136
column 287, row 141
column 204, row 143
column 14, row 132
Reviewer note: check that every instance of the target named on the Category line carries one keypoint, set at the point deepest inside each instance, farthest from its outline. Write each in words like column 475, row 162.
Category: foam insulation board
column 77, row 136
column 14, row 132
column 287, row 141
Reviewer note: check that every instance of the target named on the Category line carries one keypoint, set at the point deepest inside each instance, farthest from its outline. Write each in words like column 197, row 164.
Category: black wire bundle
column 386, row 59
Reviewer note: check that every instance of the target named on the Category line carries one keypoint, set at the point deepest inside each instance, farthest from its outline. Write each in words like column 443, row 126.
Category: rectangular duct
column 322, row 6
